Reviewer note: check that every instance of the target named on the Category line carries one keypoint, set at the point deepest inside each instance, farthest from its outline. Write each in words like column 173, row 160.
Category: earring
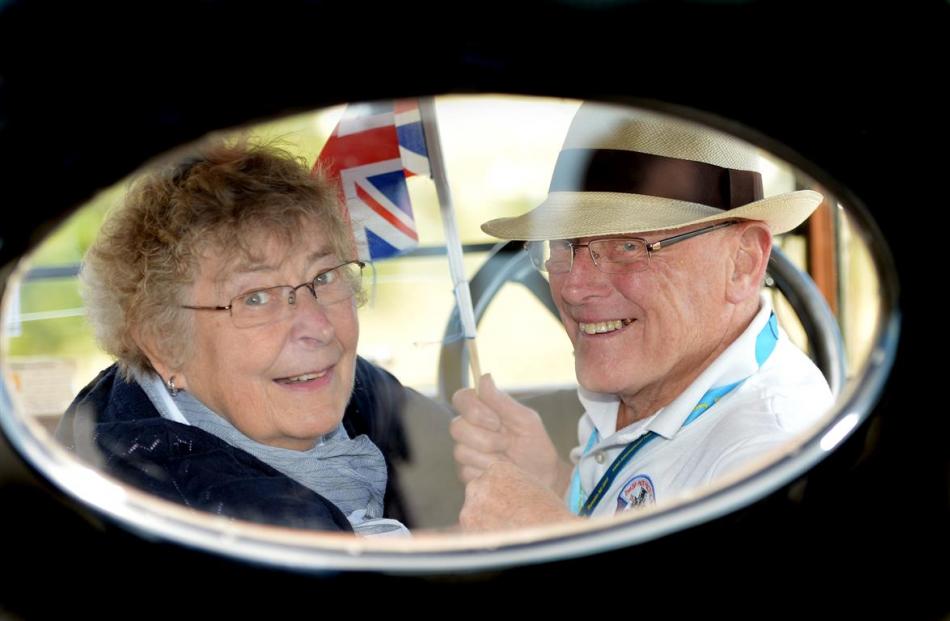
column 170, row 385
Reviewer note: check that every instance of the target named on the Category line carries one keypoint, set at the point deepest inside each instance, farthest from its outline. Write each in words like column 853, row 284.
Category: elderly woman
column 226, row 288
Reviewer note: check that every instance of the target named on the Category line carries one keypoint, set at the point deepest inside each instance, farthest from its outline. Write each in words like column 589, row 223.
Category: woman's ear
column 751, row 258
column 164, row 362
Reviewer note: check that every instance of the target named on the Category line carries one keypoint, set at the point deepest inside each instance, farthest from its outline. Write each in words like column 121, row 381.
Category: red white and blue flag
column 372, row 151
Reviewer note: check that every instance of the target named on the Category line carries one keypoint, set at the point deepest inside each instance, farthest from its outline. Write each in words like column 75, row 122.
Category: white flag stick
column 453, row 244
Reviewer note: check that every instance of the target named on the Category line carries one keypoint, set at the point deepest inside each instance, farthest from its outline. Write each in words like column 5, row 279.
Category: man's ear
column 753, row 245
column 165, row 363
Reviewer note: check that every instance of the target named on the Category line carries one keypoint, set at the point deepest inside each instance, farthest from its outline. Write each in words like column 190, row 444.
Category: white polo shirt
column 783, row 396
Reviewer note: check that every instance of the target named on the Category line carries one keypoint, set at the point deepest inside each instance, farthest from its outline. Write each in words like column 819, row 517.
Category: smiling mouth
column 305, row 377
column 604, row 327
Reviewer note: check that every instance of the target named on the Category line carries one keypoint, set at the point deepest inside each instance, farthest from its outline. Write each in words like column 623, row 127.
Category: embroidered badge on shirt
column 636, row 492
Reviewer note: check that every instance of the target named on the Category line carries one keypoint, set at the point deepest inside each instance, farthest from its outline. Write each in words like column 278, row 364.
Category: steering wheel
column 507, row 263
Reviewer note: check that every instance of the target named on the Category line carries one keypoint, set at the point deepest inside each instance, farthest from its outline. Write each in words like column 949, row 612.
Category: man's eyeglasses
column 263, row 306
column 613, row 255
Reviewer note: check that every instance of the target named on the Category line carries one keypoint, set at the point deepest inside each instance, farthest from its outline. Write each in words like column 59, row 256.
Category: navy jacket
column 113, row 425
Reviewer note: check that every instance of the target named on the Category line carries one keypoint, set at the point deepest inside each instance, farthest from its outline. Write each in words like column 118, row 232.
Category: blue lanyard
column 764, row 345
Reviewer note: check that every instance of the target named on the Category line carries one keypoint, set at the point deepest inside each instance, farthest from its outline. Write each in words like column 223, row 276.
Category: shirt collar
column 154, row 388
column 735, row 363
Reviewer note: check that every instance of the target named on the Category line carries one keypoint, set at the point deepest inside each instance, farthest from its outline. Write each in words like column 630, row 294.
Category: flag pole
column 453, row 243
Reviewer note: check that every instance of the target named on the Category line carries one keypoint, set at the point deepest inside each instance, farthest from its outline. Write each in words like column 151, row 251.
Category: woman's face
column 286, row 383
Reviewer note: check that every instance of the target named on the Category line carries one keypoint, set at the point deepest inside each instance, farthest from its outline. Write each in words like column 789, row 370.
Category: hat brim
column 569, row 215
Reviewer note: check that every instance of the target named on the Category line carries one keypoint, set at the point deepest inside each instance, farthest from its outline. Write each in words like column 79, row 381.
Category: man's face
column 648, row 332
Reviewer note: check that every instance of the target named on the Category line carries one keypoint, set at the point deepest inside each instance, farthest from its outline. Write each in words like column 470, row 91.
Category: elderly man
column 655, row 237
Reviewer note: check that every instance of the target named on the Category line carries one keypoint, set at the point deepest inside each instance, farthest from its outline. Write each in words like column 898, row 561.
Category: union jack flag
column 372, row 151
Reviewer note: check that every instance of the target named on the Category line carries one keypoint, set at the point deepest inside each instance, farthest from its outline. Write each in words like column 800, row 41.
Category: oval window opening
column 283, row 303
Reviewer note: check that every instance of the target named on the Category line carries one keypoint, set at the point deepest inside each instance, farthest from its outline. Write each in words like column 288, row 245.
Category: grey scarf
column 350, row 473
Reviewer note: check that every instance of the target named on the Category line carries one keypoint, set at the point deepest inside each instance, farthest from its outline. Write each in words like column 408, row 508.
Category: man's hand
column 504, row 497
column 492, row 427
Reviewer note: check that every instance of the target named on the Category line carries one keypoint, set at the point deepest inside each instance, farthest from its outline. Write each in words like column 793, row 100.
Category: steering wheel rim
column 507, row 263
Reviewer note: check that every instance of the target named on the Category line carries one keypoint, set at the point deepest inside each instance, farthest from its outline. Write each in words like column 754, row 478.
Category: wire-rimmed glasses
column 612, row 255
column 271, row 304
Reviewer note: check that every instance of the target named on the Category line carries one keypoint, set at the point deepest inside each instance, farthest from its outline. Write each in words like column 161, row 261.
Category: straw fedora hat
column 625, row 171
